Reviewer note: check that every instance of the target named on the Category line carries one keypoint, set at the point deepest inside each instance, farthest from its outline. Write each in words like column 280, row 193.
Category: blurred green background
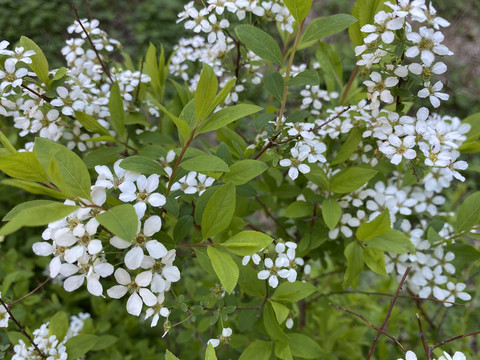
column 136, row 22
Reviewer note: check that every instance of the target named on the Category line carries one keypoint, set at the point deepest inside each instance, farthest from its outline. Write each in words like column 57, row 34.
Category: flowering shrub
column 217, row 194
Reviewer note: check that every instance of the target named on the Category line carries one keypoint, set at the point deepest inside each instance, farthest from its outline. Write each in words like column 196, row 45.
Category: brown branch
column 89, row 10
column 392, row 304
column 371, row 325
column 36, row 93
column 30, row 293
column 349, row 84
column 22, row 330
column 264, row 300
column 422, row 336
column 93, row 46
column 453, row 339
column 182, row 246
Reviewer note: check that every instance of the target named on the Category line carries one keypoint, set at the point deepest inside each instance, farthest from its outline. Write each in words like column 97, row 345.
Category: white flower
column 10, row 76
column 385, row 24
column 157, row 310
column 427, row 44
column 456, row 290
column 398, row 148
column 457, row 356
column 70, row 101
column 224, row 338
column 409, row 355
column 137, row 288
column 433, row 92
column 295, row 163
column 145, row 193
column 4, row 315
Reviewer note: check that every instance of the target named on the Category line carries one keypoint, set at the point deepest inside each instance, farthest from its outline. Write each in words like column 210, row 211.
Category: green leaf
column 23, row 165
column 79, row 345
column 464, row 253
column 225, row 268
column 282, row 350
column 104, row 342
column 351, row 179
column 258, row 350
column 205, row 93
column 271, row 325
column 25, row 205
column 210, row 353
column 243, row 171
column 378, row 226
column 219, row 211
column 331, row 212
column 354, row 255
column 468, row 213
column 90, row 123
column 331, row 66
column 39, row 63
column 325, row 26
column 280, row 310
column 182, row 228
column 293, row 292
column 349, row 147
column 117, row 113
column 299, row 9
column 59, row 74
column 6, row 143
column 151, row 69
column 274, row 84
column 121, row 220
column 204, row 163
column 364, row 11
column 34, row 188
column 170, row 356
column 392, row 241
column 59, row 325
column 298, row 209
column 375, row 260
column 36, row 215
column 222, row 94
column 142, row 165
column 182, row 126
column 307, row 77
column 226, row 116
column 260, row 43
column 64, row 168
column 247, row 242
column 305, row 347
column 102, row 156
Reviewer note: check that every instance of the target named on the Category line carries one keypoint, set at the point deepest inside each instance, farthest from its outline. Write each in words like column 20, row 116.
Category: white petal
column 122, row 276
column 119, row 243
column 152, row 225
column 147, row 296
column 157, row 199
column 73, row 254
column 42, row 248
column 156, row 249
column 134, row 257
column 273, row 281
column 144, row 278
column 171, row 273
column 94, row 247
column 94, row 287
column 73, row 282
column 103, row 269
column 134, row 304
column 263, row 274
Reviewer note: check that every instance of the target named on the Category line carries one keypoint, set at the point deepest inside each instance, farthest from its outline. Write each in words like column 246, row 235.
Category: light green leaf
column 58, row 325
column 325, row 26
column 219, row 211
column 23, row 165
column 305, row 347
column 331, row 66
column 298, row 209
column 258, row 350
column 225, row 268
column 90, row 123
column 271, row 325
column 170, row 356
column 243, row 171
column 354, row 254
column 39, row 63
column 349, row 147
column 364, row 11
column 331, row 212
column 104, row 342
column 307, row 77
column 299, row 9
column 6, row 143
column 34, row 188
column 205, row 93
column 227, row 115
column 117, row 113
column 378, row 226
column 375, row 260
column 102, row 156
column 39, row 214
column 393, row 241
column 280, row 310
column 142, row 165
column 274, row 84
column 204, row 163
column 468, row 213
column 182, row 126
column 25, row 205
column 293, row 292
column 247, row 242
column 79, row 345
column 121, row 220
column 222, row 94
column 351, row 179
column 282, row 350
column 151, row 69
column 260, row 43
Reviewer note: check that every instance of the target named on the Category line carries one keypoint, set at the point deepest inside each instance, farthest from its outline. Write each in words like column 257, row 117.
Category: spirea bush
column 240, row 197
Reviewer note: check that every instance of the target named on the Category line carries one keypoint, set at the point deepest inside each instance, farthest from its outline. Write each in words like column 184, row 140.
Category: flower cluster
column 410, row 355
column 49, row 345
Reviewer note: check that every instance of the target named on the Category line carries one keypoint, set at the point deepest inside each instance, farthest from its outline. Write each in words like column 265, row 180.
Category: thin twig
column 422, row 336
column 349, row 84
column 264, row 300
column 30, row 293
column 392, row 304
column 89, row 10
column 453, row 339
column 36, row 93
column 22, row 330
column 139, row 79
column 371, row 325
column 93, row 46
column 267, row 210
